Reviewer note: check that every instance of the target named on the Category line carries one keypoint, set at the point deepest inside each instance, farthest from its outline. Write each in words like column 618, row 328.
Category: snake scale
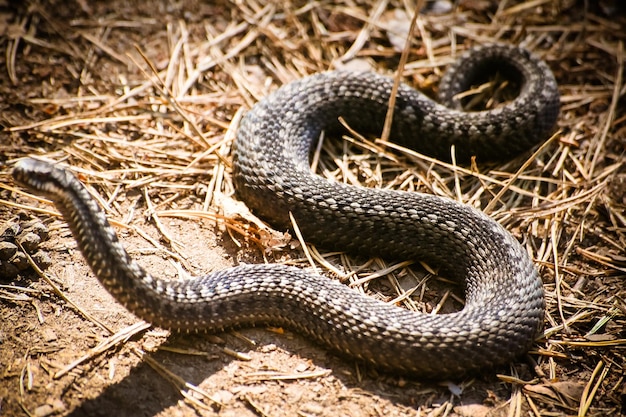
column 504, row 307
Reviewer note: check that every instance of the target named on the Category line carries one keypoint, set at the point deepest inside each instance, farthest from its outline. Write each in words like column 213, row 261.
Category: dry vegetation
column 142, row 100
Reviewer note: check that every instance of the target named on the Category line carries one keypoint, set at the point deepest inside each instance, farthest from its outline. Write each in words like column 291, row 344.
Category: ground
column 142, row 100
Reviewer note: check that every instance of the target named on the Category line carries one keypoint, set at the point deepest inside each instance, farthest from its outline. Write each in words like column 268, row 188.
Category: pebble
column 19, row 261
column 49, row 335
column 7, row 250
column 43, row 410
column 30, row 241
column 7, row 270
column 9, row 231
column 39, row 228
column 42, row 259
column 52, row 407
column 29, row 234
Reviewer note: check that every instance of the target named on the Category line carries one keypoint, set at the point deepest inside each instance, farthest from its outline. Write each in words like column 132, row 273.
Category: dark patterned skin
column 504, row 308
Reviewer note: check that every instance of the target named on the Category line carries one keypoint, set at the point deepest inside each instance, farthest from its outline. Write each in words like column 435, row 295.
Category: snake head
column 42, row 177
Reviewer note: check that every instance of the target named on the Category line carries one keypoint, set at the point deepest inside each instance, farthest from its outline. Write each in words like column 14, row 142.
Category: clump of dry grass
column 157, row 120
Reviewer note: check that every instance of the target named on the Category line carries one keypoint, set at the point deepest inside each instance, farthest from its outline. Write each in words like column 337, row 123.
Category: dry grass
column 144, row 104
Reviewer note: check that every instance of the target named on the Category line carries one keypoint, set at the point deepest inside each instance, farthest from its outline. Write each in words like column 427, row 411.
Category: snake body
column 504, row 306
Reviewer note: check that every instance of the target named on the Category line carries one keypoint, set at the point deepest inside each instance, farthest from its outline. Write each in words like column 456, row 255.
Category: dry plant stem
column 60, row 293
column 303, row 244
column 177, row 382
column 167, row 95
column 280, row 376
column 384, row 137
column 600, row 372
column 364, row 34
column 519, row 172
column 557, row 274
column 120, row 337
column 610, row 116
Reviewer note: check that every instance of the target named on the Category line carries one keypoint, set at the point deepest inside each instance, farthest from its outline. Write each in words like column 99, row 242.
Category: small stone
column 438, row 7
column 39, row 228
column 270, row 347
column 49, row 335
column 19, row 261
column 313, row 409
column 7, row 270
column 53, row 406
column 42, row 259
column 43, row 410
column 9, row 231
column 302, row 367
column 7, row 250
column 30, row 241
column 223, row 396
column 58, row 405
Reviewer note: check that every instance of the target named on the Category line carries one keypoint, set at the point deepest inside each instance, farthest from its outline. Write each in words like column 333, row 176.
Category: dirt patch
column 141, row 101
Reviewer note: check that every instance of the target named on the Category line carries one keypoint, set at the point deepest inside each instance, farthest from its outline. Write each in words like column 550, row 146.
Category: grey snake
column 504, row 306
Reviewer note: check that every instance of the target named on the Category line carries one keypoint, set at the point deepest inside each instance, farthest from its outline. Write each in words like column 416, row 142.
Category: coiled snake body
column 504, row 307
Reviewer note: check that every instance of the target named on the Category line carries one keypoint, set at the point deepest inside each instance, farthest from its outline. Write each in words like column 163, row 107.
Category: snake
column 504, row 304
